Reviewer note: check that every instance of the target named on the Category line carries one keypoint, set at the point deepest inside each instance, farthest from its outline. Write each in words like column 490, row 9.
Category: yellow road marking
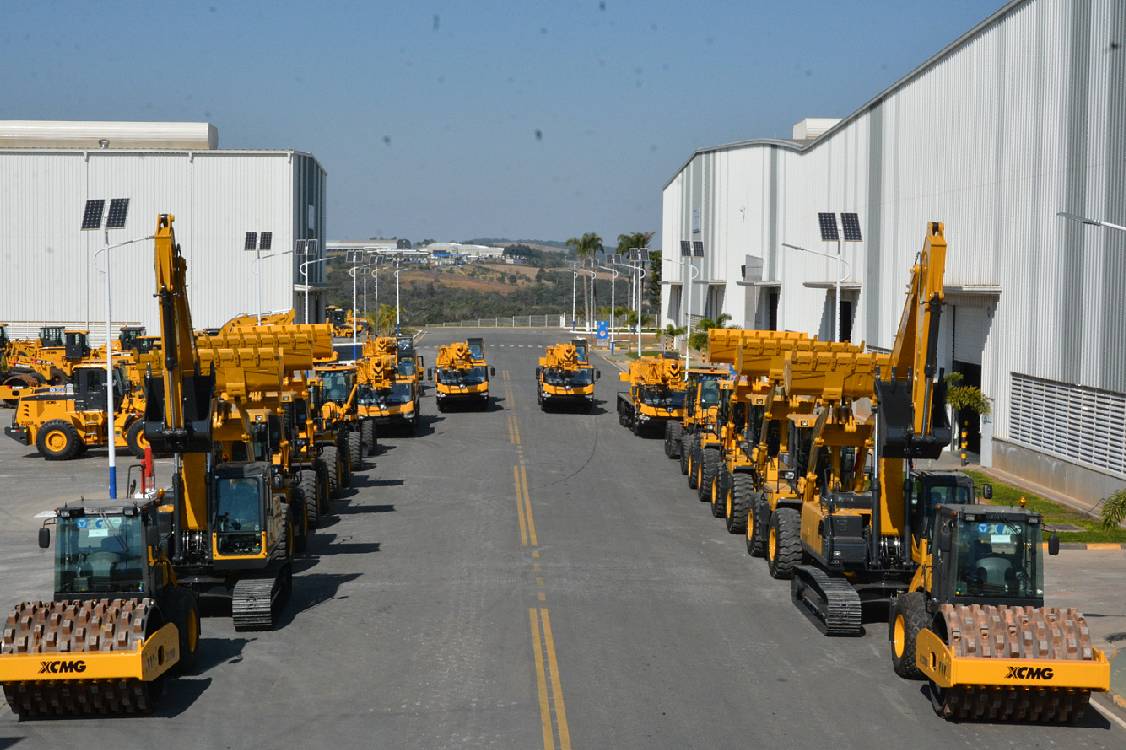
column 556, row 683
column 536, row 554
column 541, row 596
column 539, row 581
column 541, row 681
column 520, row 508
column 528, row 506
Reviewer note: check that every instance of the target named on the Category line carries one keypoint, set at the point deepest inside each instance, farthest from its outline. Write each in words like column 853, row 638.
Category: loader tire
column 908, row 617
column 332, row 467
column 135, row 438
column 718, row 489
column 694, row 464
column 674, row 431
column 783, row 548
column 709, row 468
column 368, row 437
column 682, row 453
column 58, row 440
column 355, row 450
column 742, row 496
column 758, row 523
column 307, row 483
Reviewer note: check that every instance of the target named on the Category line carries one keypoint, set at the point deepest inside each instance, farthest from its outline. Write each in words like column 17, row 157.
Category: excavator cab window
column 997, row 560
column 99, row 553
column 239, row 518
column 929, row 492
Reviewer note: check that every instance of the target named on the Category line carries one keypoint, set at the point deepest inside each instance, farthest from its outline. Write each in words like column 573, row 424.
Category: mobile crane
column 461, row 374
column 390, row 392
column 565, row 377
column 655, row 395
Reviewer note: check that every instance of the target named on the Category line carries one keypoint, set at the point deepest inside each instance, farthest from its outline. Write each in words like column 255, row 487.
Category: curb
column 1090, row 546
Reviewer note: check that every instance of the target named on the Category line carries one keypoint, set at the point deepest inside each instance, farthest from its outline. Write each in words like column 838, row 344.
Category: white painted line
column 1108, row 713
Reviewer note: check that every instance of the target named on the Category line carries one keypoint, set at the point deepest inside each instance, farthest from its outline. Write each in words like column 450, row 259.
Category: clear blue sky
column 426, row 114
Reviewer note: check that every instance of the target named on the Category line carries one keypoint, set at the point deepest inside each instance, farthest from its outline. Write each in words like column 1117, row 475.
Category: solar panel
column 851, row 224
column 685, row 247
column 698, row 249
column 265, row 240
column 118, row 210
column 92, row 216
column 828, row 224
column 251, row 241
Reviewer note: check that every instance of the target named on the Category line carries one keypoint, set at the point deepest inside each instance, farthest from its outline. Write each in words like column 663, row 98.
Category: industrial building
column 1020, row 118
column 52, row 270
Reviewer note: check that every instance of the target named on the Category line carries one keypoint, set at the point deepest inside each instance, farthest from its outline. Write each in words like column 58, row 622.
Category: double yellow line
column 550, row 701
column 513, row 431
column 524, row 507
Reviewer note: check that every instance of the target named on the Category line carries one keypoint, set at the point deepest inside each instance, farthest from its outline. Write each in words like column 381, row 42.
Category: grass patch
column 1054, row 513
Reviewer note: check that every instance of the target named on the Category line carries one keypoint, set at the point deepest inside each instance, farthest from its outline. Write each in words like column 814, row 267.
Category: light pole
column 693, row 272
column 397, row 271
column 92, row 220
column 640, row 255
column 844, row 272
column 574, row 294
column 1090, row 222
column 304, row 268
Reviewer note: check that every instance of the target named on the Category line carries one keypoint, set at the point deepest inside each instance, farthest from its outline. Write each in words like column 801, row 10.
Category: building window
column 1080, row 424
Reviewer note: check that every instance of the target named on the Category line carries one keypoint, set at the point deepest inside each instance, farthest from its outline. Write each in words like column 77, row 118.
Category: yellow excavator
column 655, row 395
column 565, row 377
column 231, row 521
column 118, row 623
column 461, row 375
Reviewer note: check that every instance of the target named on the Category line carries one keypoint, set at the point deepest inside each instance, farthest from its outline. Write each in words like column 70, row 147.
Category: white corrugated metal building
column 50, row 274
column 1020, row 118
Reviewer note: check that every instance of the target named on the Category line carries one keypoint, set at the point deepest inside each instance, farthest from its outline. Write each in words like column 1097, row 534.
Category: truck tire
column 135, row 438
column 332, row 467
column 908, row 617
column 709, row 468
column 742, row 496
column 674, row 432
column 355, row 450
column 307, row 484
column 58, row 440
column 783, row 548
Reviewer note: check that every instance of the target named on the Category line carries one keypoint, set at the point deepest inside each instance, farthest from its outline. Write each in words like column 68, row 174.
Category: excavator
column 118, row 624
column 565, row 377
column 461, row 375
column 231, row 515
column 656, row 393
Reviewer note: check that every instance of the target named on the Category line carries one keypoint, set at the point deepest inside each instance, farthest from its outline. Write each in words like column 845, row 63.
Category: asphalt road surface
column 514, row 579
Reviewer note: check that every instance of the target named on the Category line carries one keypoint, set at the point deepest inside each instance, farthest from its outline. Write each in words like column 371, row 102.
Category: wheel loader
column 50, row 360
column 656, row 393
column 232, row 521
column 342, row 321
column 119, row 624
column 63, row 422
column 461, row 375
column 565, row 377
column 335, row 395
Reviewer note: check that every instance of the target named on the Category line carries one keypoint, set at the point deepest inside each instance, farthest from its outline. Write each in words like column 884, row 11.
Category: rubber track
column 255, row 602
column 74, row 627
column 830, row 602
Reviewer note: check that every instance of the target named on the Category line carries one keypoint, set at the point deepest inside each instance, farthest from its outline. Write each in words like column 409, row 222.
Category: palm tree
column 671, row 332
column 587, row 246
column 1114, row 510
column 699, row 339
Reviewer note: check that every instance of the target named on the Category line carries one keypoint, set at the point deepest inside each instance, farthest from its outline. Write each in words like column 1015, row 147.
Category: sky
column 538, row 119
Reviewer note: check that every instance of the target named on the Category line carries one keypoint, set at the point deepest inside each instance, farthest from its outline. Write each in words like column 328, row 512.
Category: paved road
column 513, row 579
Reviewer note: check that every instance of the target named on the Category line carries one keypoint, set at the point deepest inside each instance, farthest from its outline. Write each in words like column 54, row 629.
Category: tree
column 587, row 246
column 384, row 320
column 965, row 396
column 634, row 240
column 699, row 339
column 670, row 333
column 1114, row 510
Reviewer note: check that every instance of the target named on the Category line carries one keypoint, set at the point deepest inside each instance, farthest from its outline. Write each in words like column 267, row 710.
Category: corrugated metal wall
column 49, row 270
column 1023, row 118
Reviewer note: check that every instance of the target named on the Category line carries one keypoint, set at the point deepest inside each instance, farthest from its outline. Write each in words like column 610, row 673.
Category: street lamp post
column 574, row 295
column 1090, row 222
column 304, row 268
column 843, row 272
column 613, row 317
column 693, row 272
column 397, row 271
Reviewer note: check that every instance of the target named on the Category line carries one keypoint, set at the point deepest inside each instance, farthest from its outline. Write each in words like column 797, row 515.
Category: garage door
column 971, row 327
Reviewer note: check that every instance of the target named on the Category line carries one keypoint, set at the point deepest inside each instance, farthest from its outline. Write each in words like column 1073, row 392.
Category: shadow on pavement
column 216, row 651
column 311, row 590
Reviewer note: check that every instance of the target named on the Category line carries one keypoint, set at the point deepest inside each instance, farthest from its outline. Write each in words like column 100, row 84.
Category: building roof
column 91, row 135
column 801, row 147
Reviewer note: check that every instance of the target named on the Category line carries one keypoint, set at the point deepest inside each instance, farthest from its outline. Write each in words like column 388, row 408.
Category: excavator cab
column 928, row 490
column 241, row 497
column 110, row 569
